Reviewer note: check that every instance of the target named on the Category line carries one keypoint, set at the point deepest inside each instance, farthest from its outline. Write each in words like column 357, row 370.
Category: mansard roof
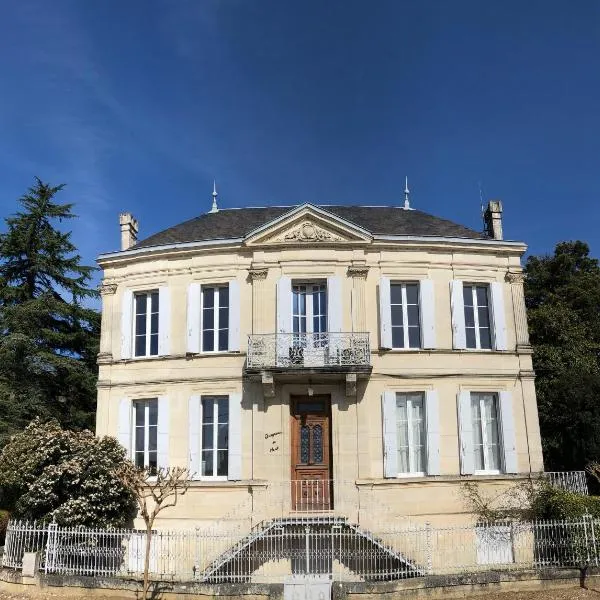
column 237, row 223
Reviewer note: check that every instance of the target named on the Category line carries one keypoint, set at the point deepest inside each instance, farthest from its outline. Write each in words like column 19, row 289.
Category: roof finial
column 406, row 194
column 214, row 208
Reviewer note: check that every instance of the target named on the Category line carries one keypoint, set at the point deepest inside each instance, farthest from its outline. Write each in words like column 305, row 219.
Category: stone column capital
column 358, row 271
column 258, row 273
column 108, row 289
column 515, row 277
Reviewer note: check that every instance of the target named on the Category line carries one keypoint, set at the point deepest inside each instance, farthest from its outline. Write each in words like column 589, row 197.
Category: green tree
column 49, row 473
column 563, row 299
column 50, row 337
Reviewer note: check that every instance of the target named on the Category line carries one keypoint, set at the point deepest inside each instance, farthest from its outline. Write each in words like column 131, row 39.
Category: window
column 309, row 308
column 146, row 323
column 410, row 430
column 477, row 316
column 145, row 433
column 215, row 319
column 215, row 437
column 406, row 328
column 486, row 445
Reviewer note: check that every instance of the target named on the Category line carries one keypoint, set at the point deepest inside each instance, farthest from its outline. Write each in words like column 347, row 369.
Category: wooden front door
column 311, row 453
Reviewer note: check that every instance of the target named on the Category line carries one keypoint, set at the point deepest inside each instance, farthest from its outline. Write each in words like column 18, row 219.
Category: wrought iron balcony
column 309, row 350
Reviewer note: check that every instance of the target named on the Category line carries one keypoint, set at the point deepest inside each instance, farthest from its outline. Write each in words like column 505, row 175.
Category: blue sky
column 137, row 105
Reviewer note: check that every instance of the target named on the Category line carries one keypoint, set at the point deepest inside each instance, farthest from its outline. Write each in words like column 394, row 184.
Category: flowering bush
column 49, row 473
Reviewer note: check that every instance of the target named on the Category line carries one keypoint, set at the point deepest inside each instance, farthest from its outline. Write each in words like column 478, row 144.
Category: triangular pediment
column 307, row 224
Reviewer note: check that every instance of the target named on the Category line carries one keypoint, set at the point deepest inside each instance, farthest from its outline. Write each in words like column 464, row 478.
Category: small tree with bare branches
column 154, row 490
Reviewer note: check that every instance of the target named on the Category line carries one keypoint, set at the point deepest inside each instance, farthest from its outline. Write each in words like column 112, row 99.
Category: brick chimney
column 493, row 219
column 129, row 230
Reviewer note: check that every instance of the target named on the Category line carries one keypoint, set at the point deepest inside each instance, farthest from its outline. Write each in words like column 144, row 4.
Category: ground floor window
column 410, row 431
column 486, row 438
column 145, row 433
column 215, row 436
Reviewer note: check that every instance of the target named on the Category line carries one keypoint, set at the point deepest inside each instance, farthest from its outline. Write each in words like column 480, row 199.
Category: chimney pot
column 493, row 220
column 129, row 230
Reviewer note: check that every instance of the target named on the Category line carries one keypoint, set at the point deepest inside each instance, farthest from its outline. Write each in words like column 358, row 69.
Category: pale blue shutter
column 234, row 471
column 193, row 318
column 284, row 305
column 432, row 418
column 162, row 433
column 385, row 313
column 164, row 320
column 194, row 422
column 390, row 442
column 465, row 423
column 458, row 315
column 124, row 426
column 509, row 443
column 427, row 302
column 334, row 304
column 234, row 316
column 126, row 323
column 498, row 315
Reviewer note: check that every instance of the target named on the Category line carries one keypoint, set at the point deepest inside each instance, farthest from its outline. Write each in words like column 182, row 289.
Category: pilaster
column 358, row 272
column 107, row 291
column 516, row 279
column 258, row 276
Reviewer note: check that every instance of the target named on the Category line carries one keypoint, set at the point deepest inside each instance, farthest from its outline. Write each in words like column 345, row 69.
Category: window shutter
column 498, row 315
column 458, row 314
column 284, row 305
column 385, row 314
column 334, row 304
column 390, row 443
column 507, row 423
column 193, row 318
column 162, row 433
column 126, row 323
column 164, row 320
column 124, row 427
column 467, row 464
column 234, row 316
column 194, row 420
column 234, row 471
column 432, row 416
column 427, row 301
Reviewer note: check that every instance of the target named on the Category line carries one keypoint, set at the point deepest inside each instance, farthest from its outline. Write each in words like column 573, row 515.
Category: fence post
column 429, row 548
column 51, row 544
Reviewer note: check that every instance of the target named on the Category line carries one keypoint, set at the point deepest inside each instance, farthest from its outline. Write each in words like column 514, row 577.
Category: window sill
column 426, row 479
column 189, row 355
column 439, row 351
column 225, row 483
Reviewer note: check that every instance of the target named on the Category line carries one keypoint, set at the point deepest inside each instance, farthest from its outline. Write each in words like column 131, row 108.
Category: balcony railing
column 308, row 350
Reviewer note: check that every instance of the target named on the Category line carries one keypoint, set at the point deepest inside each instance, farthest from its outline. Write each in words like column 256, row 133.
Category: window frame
column 215, row 447
column 405, row 327
column 409, row 435
column 146, row 431
column 148, row 335
column 496, row 401
column 473, row 287
column 216, row 308
column 308, row 305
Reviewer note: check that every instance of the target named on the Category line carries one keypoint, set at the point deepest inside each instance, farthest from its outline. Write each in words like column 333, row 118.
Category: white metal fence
column 572, row 481
column 306, row 544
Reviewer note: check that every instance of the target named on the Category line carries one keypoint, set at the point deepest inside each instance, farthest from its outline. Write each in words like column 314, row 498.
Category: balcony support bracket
column 351, row 385
column 268, row 384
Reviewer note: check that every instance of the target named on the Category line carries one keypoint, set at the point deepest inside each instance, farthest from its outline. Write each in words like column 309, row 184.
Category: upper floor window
column 486, row 438
column 477, row 316
column 146, row 306
column 309, row 308
column 145, row 448
column 215, row 318
column 410, row 431
column 406, row 323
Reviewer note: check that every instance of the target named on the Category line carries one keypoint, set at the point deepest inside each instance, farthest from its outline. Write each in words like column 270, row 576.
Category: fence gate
column 307, row 587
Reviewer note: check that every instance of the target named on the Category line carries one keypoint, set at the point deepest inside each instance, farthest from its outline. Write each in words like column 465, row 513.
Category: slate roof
column 378, row 220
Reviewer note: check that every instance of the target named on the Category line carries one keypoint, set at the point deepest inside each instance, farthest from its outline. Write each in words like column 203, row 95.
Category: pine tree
column 50, row 337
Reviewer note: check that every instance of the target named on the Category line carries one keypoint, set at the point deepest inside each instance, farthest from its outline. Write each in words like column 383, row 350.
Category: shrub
column 555, row 503
column 49, row 473
column 4, row 515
